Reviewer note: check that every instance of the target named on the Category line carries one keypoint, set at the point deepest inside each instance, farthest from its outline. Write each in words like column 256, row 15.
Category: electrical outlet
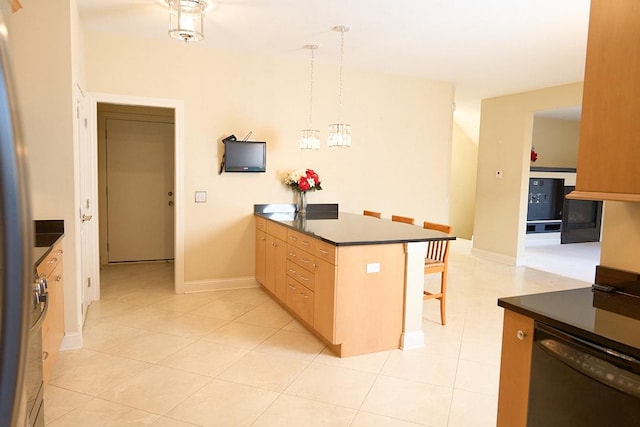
column 499, row 174
column 373, row 267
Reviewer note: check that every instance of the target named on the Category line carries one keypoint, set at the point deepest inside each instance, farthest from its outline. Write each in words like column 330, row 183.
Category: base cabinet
column 515, row 368
column 53, row 323
column 330, row 290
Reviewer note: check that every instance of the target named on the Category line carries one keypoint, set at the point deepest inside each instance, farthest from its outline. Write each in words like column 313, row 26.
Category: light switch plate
column 201, row 196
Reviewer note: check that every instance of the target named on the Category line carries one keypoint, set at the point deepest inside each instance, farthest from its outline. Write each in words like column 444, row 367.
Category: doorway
column 138, row 105
column 136, row 179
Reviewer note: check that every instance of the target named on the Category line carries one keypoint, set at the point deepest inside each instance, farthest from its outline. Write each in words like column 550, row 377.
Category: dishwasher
column 576, row 382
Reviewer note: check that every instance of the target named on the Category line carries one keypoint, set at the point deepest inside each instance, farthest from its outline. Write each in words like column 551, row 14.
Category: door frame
column 178, row 106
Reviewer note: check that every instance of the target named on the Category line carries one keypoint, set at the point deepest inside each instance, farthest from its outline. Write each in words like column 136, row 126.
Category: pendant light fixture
column 310, row 138
column 186, row 19
column 340, row 133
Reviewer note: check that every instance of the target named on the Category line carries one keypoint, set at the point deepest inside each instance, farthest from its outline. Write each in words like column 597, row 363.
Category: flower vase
column 301, row 206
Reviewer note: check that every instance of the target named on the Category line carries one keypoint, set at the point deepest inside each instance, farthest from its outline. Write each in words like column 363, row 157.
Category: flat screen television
column 245, row 156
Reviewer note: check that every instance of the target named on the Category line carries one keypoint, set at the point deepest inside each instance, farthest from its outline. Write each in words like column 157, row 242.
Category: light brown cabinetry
column 53, row 324
column 610, row 130
column 515, row 366
column 352, row 297
column 261, row 250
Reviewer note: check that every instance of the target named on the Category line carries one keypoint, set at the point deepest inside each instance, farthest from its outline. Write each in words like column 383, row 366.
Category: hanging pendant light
column 310, row 138
column 186, row 19
column 340, row 133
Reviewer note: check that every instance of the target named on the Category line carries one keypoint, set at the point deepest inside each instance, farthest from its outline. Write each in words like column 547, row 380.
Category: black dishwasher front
column 575, row 382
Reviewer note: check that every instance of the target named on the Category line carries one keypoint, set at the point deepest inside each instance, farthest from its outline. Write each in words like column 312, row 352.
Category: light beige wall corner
column 506, row 130
column 401, row 128
column 556, row 142
column 464, row 167
column 621, row 236
column 41, row 47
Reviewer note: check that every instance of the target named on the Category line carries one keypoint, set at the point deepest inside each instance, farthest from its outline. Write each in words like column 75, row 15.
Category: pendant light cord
column 311, row 89
column 341, row 60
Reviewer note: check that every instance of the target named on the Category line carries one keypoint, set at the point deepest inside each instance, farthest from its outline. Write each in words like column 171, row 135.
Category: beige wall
column 464, row 166
column 506, row 130
column 43, row 55
column 399, row 161
column 556, row 142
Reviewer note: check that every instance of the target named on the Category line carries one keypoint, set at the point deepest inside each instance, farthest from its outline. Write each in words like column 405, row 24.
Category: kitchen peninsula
column 355, row 281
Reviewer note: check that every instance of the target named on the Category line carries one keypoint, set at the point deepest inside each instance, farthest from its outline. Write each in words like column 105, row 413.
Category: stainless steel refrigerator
column 16, row 268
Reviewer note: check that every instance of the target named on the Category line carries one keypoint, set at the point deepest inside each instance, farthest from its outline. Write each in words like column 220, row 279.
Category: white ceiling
column 485, row 48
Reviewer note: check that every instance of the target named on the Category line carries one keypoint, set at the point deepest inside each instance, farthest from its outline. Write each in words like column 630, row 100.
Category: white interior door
column 140, row 177
column 89, row 259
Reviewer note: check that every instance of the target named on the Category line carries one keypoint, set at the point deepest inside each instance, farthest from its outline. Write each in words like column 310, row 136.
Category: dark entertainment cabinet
column 549, row 211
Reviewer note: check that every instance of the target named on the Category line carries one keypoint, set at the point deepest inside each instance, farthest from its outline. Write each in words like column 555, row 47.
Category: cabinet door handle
column 45, row 355
column 521, row 335
column 58, row 277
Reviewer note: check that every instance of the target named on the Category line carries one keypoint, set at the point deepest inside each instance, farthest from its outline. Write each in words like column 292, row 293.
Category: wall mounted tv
column 245, row 156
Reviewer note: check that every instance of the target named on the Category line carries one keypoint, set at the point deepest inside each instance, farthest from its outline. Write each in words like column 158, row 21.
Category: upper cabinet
column 609, row 147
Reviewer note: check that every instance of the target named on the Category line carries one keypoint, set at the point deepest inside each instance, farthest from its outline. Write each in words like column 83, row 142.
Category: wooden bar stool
column 372, row 213
column 437, row 261
column 404, row 219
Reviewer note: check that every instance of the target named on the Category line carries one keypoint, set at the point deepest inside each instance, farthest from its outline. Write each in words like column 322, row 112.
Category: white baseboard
column 541, row 239
column 409, row 340
column 493, row 256
column 71, row 341
column 219, row 284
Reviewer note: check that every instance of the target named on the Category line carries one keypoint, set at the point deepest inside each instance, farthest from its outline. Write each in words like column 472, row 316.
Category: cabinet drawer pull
column 292, row 287
column 291, row 270
column 323, row 251
column 306, row 261
column 293, row 238
column 53, row 260
column 292, row 254
column 58, row 252
column 304, row 242
column 521, row 335
column 303, row 295
column 304, row 278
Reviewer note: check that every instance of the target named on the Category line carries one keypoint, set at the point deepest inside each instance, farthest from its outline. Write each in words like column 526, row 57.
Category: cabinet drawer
column 301, row 241
column 261, row 223
column 277, row 230
column 51, row 261
column 300, row 257
column 300, row 300
column 302, row 275
column 326, row 252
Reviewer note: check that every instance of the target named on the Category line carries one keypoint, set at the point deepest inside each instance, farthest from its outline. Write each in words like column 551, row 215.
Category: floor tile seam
column 126, row 406
column 258, row 350
column 378, row 375
column 72, row 391
column 464, row 331
column 385, row 416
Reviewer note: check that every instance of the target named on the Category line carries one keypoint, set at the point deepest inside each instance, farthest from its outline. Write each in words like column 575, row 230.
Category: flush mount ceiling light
column 310, row 138
column 186, row 19
column 340, row 133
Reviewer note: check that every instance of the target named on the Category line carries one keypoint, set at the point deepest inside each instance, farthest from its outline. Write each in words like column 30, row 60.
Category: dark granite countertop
column 347, row 229
column 47, row 234
column 593, row 315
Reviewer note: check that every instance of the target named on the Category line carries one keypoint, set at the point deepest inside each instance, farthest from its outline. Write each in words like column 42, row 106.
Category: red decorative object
column 534, row 155
column 303, row 180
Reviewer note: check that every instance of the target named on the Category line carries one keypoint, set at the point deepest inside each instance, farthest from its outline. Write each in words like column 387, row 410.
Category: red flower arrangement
column 534, row 155
column 303, row 180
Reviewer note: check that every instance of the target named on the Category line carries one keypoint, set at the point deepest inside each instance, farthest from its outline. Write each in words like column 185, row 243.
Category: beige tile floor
column 236, row 358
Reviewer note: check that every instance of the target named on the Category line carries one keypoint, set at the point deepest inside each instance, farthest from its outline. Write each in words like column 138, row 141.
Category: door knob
column 86, row 218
